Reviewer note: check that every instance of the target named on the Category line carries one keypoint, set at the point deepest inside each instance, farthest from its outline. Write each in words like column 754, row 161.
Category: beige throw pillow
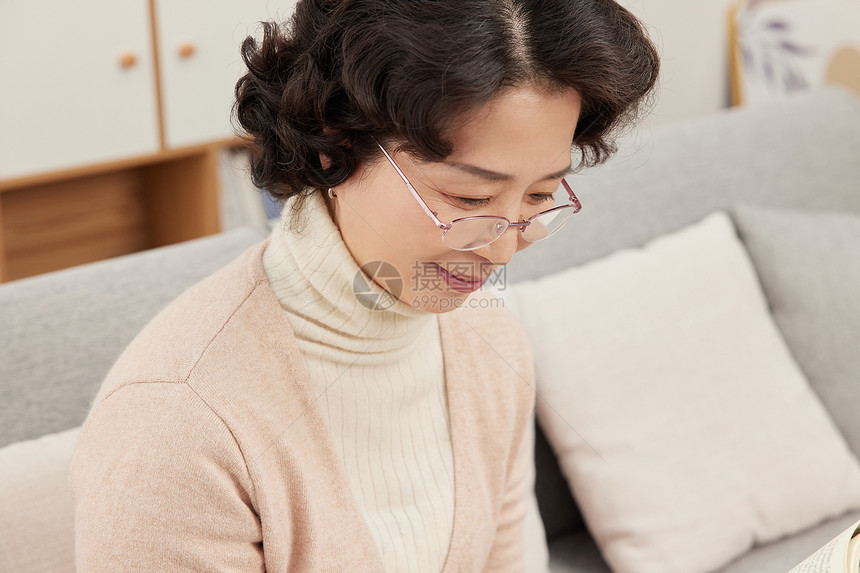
column 681, row 421
column 37, row 516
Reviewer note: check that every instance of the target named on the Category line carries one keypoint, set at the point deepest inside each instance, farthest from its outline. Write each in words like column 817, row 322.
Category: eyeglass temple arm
column 421, row 202
column 572, row 196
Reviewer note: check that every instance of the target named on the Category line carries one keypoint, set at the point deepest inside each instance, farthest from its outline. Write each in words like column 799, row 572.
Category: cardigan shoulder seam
column 187, row 374
column 215, row 336
column 208, row 406
column 184, row 380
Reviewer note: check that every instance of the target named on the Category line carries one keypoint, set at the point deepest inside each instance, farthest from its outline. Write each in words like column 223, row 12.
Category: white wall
column 692, row 36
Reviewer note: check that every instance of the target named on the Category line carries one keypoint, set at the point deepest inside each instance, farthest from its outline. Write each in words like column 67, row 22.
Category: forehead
column 523, row 131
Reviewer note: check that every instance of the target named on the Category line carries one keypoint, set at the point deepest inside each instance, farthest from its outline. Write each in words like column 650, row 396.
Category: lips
column 458, row 283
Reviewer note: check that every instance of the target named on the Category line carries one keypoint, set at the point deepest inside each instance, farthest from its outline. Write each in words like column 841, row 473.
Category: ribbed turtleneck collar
column 312, row 273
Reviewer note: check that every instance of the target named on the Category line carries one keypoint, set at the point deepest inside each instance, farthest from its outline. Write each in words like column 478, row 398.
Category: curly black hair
column 341, row 73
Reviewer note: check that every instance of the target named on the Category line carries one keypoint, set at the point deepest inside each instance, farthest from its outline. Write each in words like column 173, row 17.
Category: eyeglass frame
column 445, row 227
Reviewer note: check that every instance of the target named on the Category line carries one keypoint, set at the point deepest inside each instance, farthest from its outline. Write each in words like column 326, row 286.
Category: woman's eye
column 475, row 202
column 471, row 201
column 541, row 197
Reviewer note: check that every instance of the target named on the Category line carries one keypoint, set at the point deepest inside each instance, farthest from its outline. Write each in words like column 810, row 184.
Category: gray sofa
column 62, row 331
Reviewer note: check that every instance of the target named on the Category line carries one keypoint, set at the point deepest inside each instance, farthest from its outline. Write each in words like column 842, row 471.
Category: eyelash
column 473, row 202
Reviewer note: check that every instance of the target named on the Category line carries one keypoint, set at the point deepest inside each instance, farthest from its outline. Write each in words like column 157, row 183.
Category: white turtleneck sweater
column 380, row 387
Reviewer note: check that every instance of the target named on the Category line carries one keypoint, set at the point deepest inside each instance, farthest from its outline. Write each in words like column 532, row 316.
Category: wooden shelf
column 58, row 220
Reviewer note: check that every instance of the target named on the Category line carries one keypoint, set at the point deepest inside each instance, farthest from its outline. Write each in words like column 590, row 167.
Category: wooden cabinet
column 113, row 115
column 77, row 84
column 200, row 63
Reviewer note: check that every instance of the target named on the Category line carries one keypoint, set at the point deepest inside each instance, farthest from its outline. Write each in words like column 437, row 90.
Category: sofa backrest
column 62, row 331
column 801, row 153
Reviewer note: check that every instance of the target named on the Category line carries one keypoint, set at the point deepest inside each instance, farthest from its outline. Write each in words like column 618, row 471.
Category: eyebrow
column 495, row 176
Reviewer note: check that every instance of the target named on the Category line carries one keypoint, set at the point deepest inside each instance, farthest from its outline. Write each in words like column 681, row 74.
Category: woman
column 316, row 405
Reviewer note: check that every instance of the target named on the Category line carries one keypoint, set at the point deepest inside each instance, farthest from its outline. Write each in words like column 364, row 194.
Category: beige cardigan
column 203, row 450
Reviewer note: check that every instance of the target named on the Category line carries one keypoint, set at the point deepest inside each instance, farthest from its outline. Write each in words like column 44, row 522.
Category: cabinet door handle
column 127, row 60
column 186, row 50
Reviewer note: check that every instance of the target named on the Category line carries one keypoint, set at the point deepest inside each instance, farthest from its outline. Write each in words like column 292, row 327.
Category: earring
column 331, row 194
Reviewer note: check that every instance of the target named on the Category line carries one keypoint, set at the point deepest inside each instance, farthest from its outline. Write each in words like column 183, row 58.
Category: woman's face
column 503, row 156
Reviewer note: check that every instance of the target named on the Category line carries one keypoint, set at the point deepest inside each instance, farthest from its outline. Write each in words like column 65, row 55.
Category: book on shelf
column 840, row 555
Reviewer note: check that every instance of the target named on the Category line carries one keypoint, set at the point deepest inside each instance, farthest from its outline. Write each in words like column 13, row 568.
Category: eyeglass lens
column 473, row 233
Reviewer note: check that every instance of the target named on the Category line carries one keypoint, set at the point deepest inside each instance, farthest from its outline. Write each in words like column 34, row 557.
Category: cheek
column 413, row 233
column 391, row 225
column 420, row 245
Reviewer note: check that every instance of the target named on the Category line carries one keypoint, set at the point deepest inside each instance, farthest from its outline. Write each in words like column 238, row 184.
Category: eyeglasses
column 470, row 233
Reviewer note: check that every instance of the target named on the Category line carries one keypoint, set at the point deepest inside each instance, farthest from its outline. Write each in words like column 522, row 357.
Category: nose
column 501, row 251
